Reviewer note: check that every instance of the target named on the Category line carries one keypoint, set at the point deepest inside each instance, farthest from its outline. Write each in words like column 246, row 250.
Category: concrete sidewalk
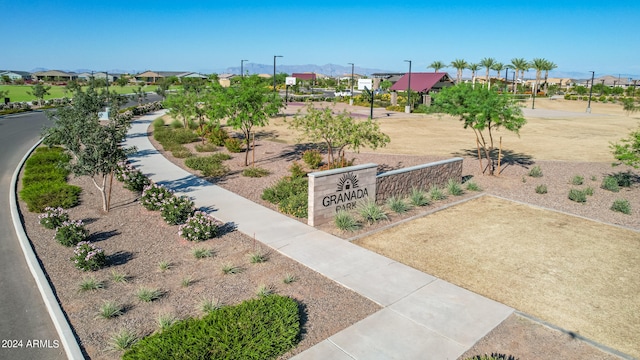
column 422, row 316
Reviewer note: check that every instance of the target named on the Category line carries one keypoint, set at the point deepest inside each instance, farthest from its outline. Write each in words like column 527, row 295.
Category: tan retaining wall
column 400, row 182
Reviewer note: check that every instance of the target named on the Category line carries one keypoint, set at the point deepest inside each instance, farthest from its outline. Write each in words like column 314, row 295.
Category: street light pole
column 274, row 71
column 407, row 108
column 590, row 92
column 351, row 100
column 242, row 67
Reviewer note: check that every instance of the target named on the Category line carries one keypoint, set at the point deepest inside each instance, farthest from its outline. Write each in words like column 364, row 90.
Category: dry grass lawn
column 576, row 273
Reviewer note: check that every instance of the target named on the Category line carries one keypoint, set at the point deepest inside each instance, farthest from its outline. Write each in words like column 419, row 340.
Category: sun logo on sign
column 348, row 181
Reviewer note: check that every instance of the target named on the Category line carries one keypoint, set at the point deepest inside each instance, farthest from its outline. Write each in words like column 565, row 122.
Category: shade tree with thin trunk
column 337, row 131
column 482, row 110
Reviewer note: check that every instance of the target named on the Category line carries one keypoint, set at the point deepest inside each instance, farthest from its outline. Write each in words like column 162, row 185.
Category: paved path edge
column 67, row 337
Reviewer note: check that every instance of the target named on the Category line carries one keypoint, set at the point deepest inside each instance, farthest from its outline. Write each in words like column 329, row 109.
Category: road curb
column 67, row 338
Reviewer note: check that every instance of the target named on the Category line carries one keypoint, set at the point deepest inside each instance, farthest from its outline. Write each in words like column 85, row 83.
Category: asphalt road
column 23, row 316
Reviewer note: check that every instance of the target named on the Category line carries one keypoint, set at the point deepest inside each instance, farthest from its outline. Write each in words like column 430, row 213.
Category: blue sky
column 209, row 36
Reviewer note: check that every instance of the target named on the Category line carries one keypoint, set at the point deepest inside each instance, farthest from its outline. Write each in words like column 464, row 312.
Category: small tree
column 627, row 151
column 250, row 104
column 628, row 105
column 96, row 148
column 122, row 81
column 140, row 94
column 483, row 110
column 39, row 91
column 338, row 131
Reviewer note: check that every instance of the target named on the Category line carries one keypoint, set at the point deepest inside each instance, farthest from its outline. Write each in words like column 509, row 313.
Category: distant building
column 54, row 75
column 16, row 75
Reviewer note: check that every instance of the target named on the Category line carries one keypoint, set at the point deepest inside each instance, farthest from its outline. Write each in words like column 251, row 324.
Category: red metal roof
column 304, row 76
column 420, row 81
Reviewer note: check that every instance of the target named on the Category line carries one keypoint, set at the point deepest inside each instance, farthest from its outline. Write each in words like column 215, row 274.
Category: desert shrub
column 53, row 217
column 176, row 210
column 621, row 205
column 153, row 196
column 397, row 204
column 87, row 256
column 418, row 197
column 296, row 205
column 208, row 147
column 199, row 227
column 132, row 178
column 148, row 295
column 541, row 189
column 610, row 183
column 233, row 145
column 436, row 193
column 41, row 195
column 218, row 136
column 454, row 188
column 183, row 136
column 180, row 152
column 210, row 166
column 158, row 123
column 71, row 232
column 371, row 212
column 262, row 328
column 284, row 188
column 345, row 221
column 588, row 191
column 577, row 180
column 472, row 186
column 296, row 170
column 577, row 195
column 255, row 172
column 624, row 179
column 493, row 356
column 192, row 124
column 177, row 124
column 47, row 156
column 535, row 172
column 312, row 158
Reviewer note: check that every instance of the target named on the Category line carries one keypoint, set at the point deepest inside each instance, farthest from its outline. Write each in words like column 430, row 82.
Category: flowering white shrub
column 87, row 256
column 199, row 227
column 53, row 217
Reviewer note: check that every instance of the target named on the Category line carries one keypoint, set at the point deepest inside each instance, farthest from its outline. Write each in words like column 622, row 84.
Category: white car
column 342, row 93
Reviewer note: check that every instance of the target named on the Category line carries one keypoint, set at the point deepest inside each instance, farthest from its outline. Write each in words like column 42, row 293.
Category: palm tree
column 519, row 64
column 459, row 65
column 436, row 65
column 497, row 67
column 539, row 64
column 474, row 68
column 487, row 63
column 549, row 65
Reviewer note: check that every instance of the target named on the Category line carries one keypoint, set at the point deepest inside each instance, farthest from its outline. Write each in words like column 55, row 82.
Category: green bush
column 48, row 156
column 176, row 210
column 610, row 183
column 41, row 195
column 541, row 189
column 177, row 124
column 218, row 136
column 70, row 233
column 296, row 170
column 53, row 217
column 472, row 186
column 199, row 227
column 621, row 205
column 87, row 256
column 181, row 152
column 312, row 158
column 535, row 172
column 233, row 145
column 157, row 123
column 296, row 205
column 208, row 147
column 577, row 195
column 284, row 188
column 436, row 193
column 210, row 166
column 624, row 179
column 262, row 328
column 132, row 178
column 577, row 180
column 40, row 173
column 255, row 172
column 345, row 221
column 184, row 136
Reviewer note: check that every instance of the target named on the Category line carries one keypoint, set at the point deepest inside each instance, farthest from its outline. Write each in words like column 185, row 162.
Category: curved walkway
column 421, row 314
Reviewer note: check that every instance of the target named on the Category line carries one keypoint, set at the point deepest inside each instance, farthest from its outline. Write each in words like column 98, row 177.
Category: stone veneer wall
column 400, row 182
